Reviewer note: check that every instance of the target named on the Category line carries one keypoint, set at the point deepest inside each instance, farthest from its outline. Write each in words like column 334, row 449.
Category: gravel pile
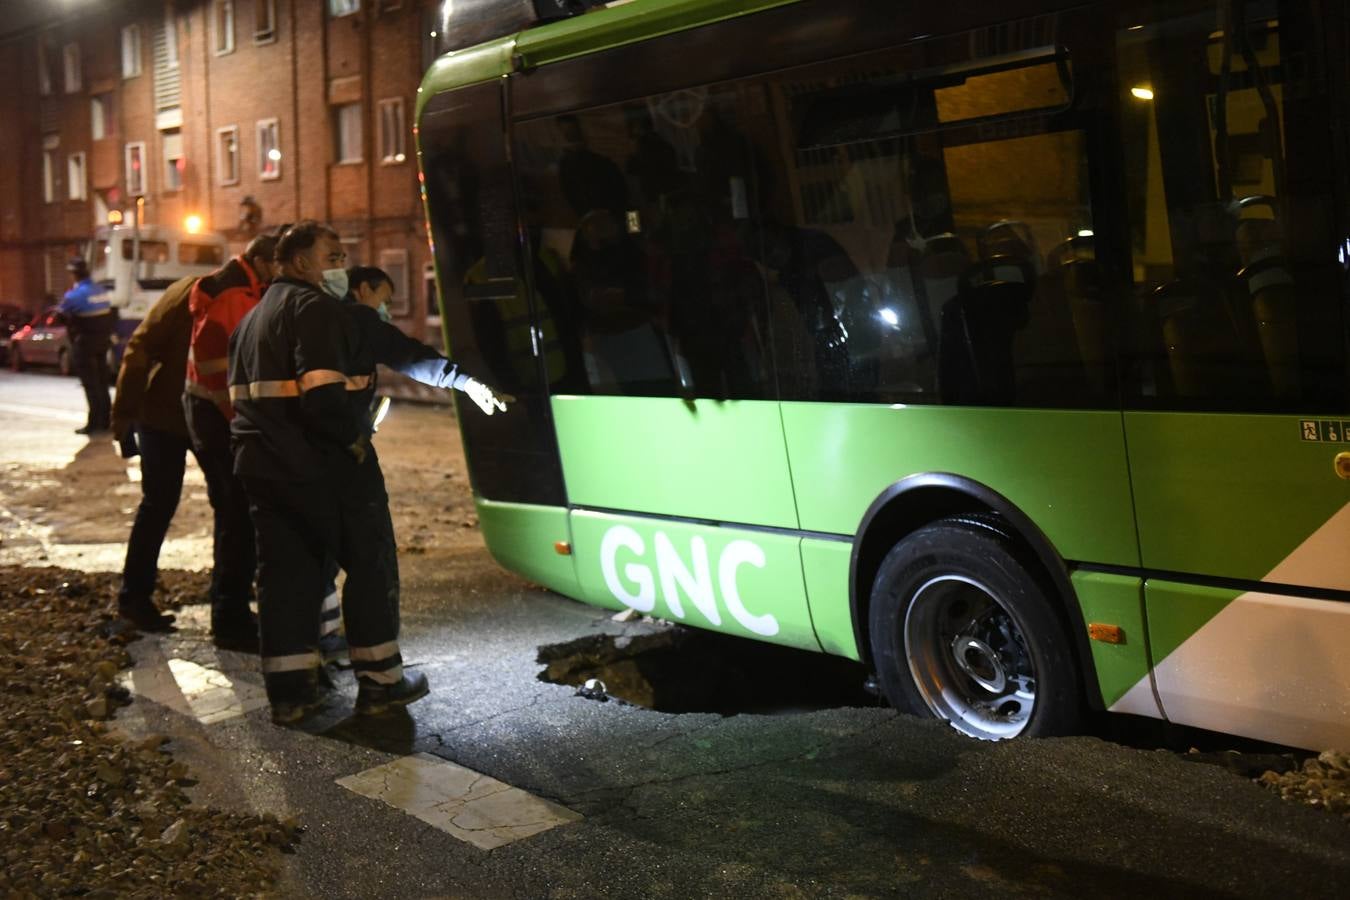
column 1322, row 782
column 84, row 811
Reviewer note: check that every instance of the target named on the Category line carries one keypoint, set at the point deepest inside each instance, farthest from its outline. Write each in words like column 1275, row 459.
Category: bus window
column 151, row 251
column 640, row 219
column 920, row 253
column 1239, row 301
column 200, row 254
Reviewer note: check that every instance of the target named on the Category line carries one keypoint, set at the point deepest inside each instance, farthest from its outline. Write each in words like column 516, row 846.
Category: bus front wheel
column 963, row 630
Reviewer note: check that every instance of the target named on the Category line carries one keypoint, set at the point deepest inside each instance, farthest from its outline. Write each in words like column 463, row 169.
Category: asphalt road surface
column 611, row 799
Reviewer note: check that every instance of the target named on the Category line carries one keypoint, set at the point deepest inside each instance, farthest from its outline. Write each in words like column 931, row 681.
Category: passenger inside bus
column 818, row 235
column 967, row 307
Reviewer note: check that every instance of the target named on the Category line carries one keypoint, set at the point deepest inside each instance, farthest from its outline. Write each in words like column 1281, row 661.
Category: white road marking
column 208, row 695
column 473, row 807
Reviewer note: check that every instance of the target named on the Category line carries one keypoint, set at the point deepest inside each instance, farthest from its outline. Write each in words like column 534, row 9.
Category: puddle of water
column 681, row 670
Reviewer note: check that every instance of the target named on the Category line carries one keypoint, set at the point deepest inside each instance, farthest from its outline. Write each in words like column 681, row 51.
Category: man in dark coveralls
column 303, row 452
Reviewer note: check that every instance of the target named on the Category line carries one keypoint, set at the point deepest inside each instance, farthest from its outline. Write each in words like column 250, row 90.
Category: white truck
column 136, row 264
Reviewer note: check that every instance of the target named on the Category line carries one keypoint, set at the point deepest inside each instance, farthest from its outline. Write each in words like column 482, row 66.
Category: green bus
column 999, row 347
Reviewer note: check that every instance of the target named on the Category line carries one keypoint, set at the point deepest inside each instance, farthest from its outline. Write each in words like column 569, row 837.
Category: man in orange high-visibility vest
column 219, row 301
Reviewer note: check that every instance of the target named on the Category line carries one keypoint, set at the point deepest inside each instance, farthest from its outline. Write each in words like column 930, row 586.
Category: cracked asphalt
column 845, row 802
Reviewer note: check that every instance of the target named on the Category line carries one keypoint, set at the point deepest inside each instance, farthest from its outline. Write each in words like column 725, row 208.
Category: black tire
column 963, row 581
column 63, row 362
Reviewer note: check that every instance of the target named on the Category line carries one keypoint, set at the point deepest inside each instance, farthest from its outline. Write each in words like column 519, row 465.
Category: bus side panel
column 1122, row 668
column 1252, row 497
column 1260, row 665
column 825, row 565
column 701, row 459
column 1065, row 469
column 521, row 537
column 741, row 582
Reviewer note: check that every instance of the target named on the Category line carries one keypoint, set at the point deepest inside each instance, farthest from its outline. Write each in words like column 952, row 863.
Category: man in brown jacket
column 147, row 415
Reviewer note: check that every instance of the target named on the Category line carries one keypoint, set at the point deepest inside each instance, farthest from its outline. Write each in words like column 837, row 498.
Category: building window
column 76, row 182
column 170, row 38
column 269, row 149
column 70, row 57
column 353, row 246
column 395, row 264
column 264, row 21
column 343, row 7
column 131, row 51
column 173, row 159
column 222, row 26
column 100, row 116
column 227, row 155
column 44, row 69
column 48, row 176
column 135, row 162
column 393, row 144
column 347, row 133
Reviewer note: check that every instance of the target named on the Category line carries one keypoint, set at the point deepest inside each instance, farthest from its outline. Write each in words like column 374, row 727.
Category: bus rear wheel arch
column 962, row 629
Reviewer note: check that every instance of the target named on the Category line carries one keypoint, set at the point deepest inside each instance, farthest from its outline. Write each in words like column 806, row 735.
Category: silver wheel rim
column 969, row 659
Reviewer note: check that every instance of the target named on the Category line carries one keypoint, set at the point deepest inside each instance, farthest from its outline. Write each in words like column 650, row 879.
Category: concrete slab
column 473, row 807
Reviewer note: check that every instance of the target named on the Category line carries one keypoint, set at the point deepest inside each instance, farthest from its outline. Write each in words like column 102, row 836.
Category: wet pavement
column 799, row 794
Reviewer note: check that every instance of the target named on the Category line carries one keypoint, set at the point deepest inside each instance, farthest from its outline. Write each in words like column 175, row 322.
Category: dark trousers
column 234, row 553
column 90, row 362
column 163, row 456
column 302, row 527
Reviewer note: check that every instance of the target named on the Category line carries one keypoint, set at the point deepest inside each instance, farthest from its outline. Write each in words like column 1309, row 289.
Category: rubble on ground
column 1322, row 782
column 83, row 810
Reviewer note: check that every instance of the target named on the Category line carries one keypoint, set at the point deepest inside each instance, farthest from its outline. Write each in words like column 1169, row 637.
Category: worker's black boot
column 145, row 616
column 293, row 695
column 235, row 629
column 373, row 698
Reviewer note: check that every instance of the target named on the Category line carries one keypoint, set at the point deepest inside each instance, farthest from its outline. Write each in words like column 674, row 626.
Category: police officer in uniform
column 302, row 449
column 90, row 322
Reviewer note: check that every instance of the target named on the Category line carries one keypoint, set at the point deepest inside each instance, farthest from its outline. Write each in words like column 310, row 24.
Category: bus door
column 1236, row 379
column 490, row 332
column 646, row 269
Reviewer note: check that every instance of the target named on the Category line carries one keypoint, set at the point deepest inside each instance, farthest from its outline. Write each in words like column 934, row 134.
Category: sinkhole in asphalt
column 681, row 670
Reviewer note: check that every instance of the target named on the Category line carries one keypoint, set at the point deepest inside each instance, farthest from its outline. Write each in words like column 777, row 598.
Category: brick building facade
column 245, row 113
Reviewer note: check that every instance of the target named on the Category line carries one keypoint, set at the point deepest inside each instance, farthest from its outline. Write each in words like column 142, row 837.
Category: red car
column 42, row 342
column 12, row 318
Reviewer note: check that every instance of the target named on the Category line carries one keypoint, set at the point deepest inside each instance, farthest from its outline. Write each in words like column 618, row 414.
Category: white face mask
column 383, row 311
column 335, row 282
